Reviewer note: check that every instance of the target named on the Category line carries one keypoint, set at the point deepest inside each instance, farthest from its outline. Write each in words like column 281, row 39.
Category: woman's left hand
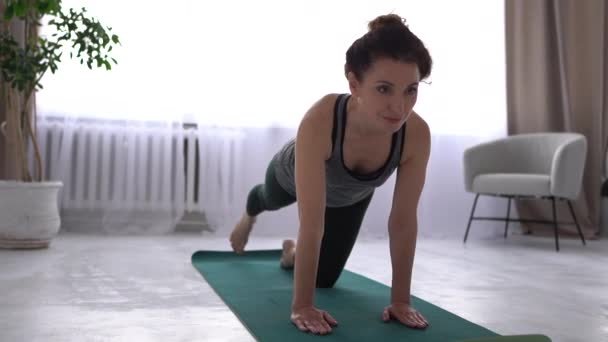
column 405, row 314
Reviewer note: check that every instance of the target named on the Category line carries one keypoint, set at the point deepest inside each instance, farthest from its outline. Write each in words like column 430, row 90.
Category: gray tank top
column 343, row 186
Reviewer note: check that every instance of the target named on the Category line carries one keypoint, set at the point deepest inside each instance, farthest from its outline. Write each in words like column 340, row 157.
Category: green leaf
column 44, row 6
column 90, row 42
column 21, row 8
column 9, row 12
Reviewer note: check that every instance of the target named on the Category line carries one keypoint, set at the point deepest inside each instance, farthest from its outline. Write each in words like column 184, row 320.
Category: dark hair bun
column 389, row 37
column 385, row 21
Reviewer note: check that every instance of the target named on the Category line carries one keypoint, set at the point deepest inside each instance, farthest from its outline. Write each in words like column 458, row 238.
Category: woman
column 346, row 146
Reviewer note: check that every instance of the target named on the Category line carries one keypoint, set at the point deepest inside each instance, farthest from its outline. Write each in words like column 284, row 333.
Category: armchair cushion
column 512, row 184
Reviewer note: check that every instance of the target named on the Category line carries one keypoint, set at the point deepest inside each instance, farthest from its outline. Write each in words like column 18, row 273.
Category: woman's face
column 386, row 94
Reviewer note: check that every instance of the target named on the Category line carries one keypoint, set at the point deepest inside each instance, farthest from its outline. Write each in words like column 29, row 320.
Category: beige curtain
column 557, row 72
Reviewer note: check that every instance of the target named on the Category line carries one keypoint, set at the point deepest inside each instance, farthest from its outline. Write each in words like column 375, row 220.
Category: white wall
column 255, row 64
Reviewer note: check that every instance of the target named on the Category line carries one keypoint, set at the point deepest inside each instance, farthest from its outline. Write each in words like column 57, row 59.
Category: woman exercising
column 347, row 145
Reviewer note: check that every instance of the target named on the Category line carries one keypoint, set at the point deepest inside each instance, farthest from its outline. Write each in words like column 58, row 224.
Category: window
column 263, row 63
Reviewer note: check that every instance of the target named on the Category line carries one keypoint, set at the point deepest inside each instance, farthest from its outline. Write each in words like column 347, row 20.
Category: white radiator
column 109, row 166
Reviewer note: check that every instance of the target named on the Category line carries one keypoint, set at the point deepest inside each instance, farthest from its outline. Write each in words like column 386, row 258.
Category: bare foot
column 289, row 254
column 240, row 233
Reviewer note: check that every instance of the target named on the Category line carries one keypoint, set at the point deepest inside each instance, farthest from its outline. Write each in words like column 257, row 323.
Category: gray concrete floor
column 143, row 288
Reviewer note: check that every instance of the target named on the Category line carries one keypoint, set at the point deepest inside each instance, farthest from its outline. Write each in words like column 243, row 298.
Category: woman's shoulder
column 317, row 123
column 322, row 108
column 320, row 116
column 417, row 138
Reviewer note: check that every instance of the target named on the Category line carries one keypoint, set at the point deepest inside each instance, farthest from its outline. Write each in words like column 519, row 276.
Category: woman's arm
column 311, row 153
column 403, row 224
column 313, row 148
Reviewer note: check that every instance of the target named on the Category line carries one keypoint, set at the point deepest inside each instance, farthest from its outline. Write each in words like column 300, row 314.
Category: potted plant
column 29, row 210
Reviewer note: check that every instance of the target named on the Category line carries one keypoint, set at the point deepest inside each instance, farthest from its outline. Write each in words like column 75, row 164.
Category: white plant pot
column 29, row 214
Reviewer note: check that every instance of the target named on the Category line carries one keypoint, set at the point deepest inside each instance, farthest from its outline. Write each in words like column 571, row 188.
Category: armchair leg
column 580, row 232
column 555, row 224
column 508, row 216
column 466, row 234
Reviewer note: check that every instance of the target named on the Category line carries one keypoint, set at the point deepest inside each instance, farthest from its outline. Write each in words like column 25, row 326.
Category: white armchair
column 537, row 165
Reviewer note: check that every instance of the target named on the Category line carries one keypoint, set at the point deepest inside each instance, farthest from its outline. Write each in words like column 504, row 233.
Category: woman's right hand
column 312, row 319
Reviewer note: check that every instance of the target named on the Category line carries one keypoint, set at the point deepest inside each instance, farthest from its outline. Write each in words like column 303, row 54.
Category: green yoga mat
column 259, row 292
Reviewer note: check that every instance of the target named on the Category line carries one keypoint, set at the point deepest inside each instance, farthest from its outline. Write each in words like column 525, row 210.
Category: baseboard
column 132, row 222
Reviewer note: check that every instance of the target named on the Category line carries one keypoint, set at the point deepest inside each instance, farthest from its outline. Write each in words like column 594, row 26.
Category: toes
column 238, row 248
column 288, row 245
column 286, row 264
column 287, row 255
